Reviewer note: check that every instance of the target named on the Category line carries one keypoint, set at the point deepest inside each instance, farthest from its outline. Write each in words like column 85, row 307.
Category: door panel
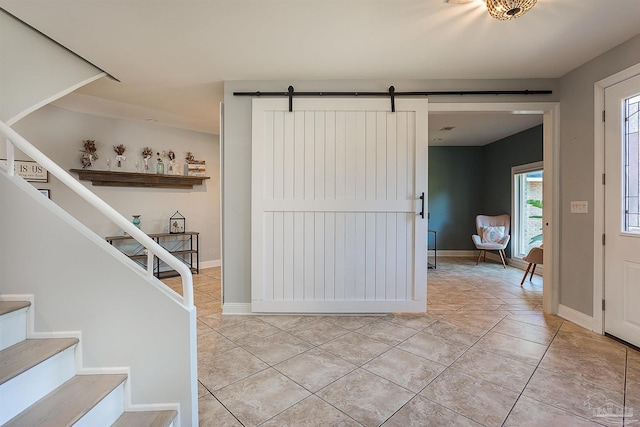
column 622, row 192
column 335, row 224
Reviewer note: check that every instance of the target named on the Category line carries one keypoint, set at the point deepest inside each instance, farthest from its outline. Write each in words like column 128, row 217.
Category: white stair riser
column 13, row 328
column 22, row 391
column 106, row 412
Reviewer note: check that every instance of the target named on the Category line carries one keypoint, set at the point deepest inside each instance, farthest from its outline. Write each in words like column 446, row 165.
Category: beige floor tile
column 565, row 392
column 285, row 321
column 387, row 332
column 466, row 334
column 405, row 369
column 479, row 400
column 548, row 321
column 311, row 412
column 496, row 369
column 211, row 413
column 202, row 390
column 246, row 332
column 277, row 347
column 531, row 413
column 218, row 321
column 355, row 348
column 260, row 397
column 600, row 347
column 482, row 305
column 317, row 331
column 225, row 368
column 512, row 347
column 417, row 322
column 212, row 344
column 525, row 331
column 314, row 369
column 352, row 322
column 585, row 367
column 365, row 397
column 202, row 328
column 421, row 412
column 433, row 348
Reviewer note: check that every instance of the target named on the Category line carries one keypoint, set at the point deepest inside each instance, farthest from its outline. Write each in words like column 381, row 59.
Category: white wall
column 34, row 69
column 59, row 134
column 80, row 284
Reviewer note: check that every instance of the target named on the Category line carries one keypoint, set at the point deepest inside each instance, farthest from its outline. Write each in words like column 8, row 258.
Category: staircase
column 39, row 385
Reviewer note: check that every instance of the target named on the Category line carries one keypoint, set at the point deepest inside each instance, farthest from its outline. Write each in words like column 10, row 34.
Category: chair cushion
column 492, row 234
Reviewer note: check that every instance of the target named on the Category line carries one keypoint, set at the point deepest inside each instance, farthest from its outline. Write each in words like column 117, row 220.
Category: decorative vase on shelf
column 160, row 167
column 136, row 221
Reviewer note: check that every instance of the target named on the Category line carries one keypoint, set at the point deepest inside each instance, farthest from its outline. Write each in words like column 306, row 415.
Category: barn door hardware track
column 392, row 94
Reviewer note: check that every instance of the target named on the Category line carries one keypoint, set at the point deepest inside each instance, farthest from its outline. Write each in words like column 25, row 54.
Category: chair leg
column 525, row 274
column 479, row 255
column 502, row 258
column 532, row 271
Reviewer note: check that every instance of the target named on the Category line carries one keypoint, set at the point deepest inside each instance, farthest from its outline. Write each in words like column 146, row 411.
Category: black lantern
column 177, row 223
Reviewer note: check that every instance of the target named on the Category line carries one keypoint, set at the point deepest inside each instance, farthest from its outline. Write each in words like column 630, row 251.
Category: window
column 527, row 208
column 632, row 165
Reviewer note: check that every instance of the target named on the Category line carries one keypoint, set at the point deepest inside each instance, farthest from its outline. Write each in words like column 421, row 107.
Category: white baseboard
column 575, row 316
column 236, row 308
column 211, row 264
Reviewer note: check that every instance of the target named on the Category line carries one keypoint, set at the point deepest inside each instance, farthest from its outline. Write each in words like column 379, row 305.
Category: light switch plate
column 580, row 206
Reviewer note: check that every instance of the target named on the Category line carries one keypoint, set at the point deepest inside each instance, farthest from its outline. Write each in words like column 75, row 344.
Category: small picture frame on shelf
column 45, row 191
column 177, row 223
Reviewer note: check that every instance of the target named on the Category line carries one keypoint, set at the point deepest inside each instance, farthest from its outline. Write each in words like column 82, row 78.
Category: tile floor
column 484, row 354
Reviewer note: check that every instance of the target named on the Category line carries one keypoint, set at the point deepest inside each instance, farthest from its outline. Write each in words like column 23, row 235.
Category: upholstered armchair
column 493, row 235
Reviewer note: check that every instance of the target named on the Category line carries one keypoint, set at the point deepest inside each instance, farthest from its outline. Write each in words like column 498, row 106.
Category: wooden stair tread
column 10, row 306
column 26, row 354
column 146, row 419
column 68, row 403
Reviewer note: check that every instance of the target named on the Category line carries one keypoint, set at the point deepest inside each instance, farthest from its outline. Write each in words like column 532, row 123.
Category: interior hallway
column 483, row 355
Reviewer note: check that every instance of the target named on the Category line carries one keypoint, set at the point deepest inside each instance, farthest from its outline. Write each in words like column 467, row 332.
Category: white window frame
column 515, row 207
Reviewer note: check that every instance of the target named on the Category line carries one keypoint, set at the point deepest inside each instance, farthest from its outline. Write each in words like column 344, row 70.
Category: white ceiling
column 172, row 56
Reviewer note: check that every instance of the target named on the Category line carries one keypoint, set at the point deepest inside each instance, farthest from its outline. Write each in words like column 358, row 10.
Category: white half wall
column 81, row 283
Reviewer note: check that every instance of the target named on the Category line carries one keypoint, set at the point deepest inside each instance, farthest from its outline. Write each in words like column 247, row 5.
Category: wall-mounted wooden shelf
column 133, row 179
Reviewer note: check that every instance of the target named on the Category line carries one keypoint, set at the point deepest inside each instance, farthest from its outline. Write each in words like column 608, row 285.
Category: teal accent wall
column 455, row 194
column 467, row 181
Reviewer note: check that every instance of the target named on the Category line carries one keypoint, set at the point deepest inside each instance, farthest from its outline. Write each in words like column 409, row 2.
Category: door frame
column 550, row 112
column 598, row 197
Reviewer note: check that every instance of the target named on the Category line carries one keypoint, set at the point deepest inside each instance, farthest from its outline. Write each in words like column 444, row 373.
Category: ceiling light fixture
column 509, row 9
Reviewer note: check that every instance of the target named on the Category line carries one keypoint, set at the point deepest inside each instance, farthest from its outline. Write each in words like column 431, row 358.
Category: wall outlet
column 580, row 207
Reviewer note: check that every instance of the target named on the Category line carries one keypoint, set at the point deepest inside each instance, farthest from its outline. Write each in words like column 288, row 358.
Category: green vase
column 136, row 221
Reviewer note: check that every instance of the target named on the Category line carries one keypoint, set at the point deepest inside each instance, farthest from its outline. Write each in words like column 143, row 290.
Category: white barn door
column 336, row 224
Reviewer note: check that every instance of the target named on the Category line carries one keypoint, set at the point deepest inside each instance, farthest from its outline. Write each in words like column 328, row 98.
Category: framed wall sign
column 30, row 170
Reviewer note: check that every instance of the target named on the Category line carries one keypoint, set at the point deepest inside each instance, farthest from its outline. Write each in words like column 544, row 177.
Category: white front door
column 336, row 224
column 622, row 211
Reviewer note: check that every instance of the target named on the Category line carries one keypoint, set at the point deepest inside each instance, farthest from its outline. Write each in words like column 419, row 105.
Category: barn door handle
column 422, row 208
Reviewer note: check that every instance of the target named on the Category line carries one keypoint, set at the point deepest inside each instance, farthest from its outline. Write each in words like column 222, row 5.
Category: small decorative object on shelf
column 136, row 221
column 160, row 163
column 137, row 164
column 120, row 149
column 177, row 223
column 172, row 162
column 108, row 162
column 194, row 167
column 88, row 154
column 147, row 152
